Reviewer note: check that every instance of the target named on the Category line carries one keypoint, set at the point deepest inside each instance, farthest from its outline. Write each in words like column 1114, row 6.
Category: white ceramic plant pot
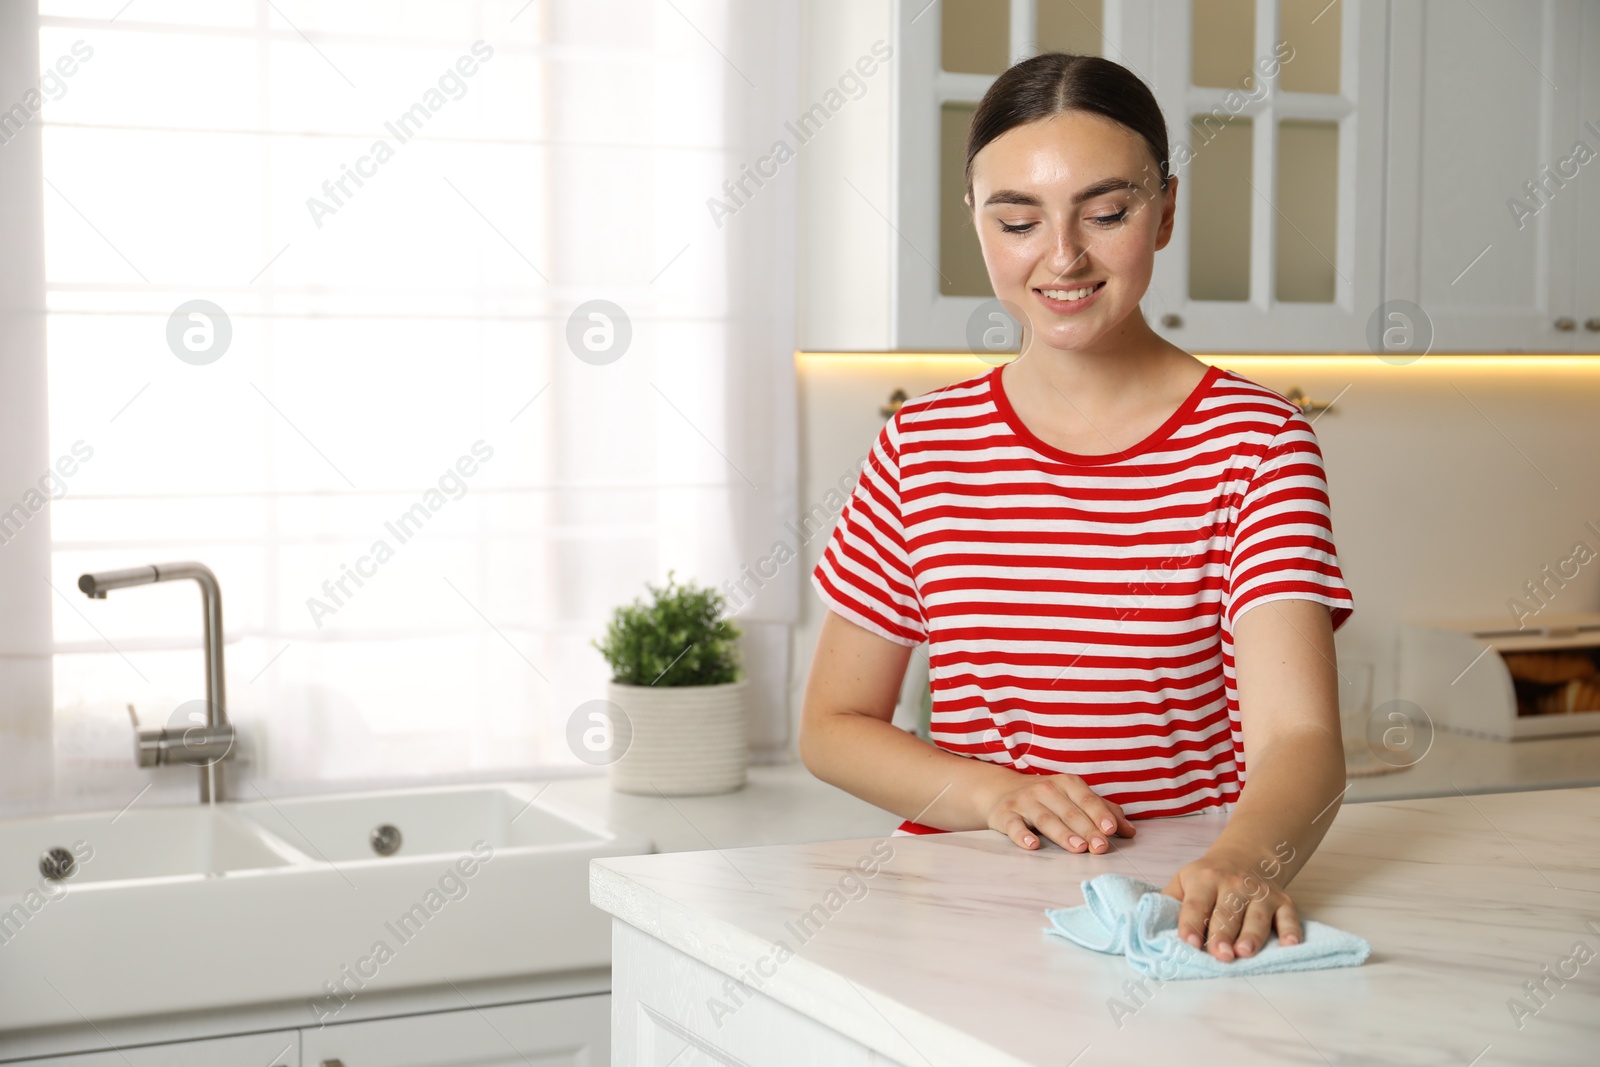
column 688, row 740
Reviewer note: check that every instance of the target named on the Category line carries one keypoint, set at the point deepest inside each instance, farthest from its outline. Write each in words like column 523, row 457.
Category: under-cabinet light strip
column 1453, row 361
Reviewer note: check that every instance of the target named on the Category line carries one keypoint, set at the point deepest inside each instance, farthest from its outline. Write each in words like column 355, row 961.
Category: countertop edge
column 887, row 1027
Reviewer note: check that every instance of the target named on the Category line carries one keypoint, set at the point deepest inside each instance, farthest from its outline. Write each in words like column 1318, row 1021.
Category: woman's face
column 1065, row 204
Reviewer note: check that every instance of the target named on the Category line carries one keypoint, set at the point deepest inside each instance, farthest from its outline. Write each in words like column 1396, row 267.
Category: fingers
column 1062, row 808
column 1014, row 826
column 1065, row 823
column 1195, row 914
column 1226, row 918
column 1105, row 817
column 1124, row 827
column 1228, row 913
column 1288, row 920
column 1257, row 925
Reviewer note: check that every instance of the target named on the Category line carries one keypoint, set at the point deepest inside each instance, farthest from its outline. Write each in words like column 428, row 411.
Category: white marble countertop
column 942, row 960
column 781, row 804
column 1463, row 763
column 784, row 803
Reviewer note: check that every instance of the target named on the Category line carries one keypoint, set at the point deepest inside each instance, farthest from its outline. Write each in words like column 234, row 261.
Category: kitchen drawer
column 569, row 1032
column 279, row 1049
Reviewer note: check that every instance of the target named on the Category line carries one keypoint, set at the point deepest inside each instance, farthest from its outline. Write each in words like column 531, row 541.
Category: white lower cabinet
column 672, row 1009
column 277, row 1049
column 564, row 1032
column 570, row 1032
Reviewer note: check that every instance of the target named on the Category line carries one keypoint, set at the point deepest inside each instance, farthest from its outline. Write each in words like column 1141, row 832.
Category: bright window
column 396, row 208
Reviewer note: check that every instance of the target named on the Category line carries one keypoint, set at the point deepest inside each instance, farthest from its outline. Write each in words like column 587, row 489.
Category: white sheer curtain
column 397, row 207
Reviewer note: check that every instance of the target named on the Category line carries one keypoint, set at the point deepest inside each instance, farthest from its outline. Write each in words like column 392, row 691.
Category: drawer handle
column 332, row 1063
column 1566, row 323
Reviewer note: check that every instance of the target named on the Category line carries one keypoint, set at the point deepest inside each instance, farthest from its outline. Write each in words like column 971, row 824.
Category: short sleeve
column 865, row 570
column 1283, row 540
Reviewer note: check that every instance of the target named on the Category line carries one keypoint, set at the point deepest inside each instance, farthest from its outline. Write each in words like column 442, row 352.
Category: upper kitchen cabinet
column 1494, row 226
column 1275, row 111
column 948, row 54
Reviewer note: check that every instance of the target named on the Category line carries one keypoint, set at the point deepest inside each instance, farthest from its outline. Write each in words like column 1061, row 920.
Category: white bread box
column 1487, row 677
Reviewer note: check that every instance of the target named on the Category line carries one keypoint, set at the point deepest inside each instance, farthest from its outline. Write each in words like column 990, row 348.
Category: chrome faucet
column 195, row 746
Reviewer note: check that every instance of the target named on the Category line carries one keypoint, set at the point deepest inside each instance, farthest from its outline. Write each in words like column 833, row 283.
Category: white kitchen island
column 790, row 955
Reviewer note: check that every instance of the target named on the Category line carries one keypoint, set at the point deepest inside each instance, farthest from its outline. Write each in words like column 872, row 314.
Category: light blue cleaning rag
column 1129, row 916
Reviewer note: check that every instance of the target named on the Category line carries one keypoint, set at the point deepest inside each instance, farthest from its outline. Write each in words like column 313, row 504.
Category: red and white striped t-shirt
column 1079, row 610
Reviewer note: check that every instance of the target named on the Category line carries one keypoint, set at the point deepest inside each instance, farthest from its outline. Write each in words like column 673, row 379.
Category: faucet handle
column 175, row 745
column 146, row 742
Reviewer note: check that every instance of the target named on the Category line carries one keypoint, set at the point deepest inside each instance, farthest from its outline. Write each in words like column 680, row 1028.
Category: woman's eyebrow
column 1099, row 188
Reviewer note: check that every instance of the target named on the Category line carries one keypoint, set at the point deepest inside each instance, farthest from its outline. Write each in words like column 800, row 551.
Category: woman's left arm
column 1289, row 711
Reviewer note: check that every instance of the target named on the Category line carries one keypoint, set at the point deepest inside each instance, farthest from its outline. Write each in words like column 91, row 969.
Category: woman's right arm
column 847, row 739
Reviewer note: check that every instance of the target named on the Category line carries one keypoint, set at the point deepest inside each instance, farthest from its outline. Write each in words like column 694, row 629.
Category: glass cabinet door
column 949, row 54
column 1275, row 109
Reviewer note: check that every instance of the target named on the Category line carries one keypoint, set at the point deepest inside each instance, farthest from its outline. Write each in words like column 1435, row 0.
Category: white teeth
column 1068, row 294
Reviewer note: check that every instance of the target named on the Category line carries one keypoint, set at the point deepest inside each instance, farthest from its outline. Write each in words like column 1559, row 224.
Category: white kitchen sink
column 134, row 844
column 430, row 822
column 186, row 909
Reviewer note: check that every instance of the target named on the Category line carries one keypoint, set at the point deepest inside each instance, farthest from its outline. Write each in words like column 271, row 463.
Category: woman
column 1078, row 535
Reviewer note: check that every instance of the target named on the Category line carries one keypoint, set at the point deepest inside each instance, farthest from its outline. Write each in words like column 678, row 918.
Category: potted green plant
column 675, row 675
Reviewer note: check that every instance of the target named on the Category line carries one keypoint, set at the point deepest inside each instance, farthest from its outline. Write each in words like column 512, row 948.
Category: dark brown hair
column 1053, row 82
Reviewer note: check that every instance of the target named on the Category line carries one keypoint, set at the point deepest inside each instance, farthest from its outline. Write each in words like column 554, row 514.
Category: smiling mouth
column 1064, row 289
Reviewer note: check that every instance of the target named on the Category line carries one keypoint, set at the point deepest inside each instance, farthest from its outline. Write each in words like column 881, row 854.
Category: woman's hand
column 1236, row 902
column 1061, row 807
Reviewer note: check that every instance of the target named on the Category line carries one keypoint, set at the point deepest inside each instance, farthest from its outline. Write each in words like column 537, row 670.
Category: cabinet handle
column 1591, row 324
column 332, row 1063
column 1298, row 398
column 1565, row 323
column 1171, row 321
column 896, row 398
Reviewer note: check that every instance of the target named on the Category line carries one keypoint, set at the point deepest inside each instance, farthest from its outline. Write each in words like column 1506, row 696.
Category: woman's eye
column 1023, row 228
column 1111, row 220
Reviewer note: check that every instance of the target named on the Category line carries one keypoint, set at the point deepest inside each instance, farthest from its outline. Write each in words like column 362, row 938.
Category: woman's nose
column 1067, row 254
